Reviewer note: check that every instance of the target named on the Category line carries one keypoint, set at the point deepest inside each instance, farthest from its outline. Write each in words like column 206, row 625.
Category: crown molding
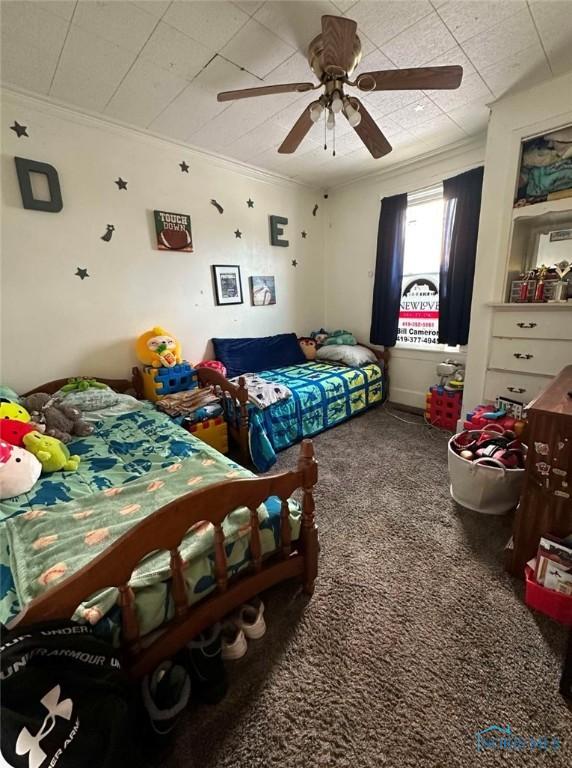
column 457, row 149
column 102, row 122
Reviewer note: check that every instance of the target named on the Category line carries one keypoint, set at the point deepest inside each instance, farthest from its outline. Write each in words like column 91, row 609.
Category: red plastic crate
column 547, row 601
column 443, row 408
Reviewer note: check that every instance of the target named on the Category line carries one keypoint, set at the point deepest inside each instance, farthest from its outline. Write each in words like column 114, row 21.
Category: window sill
column 424, row 351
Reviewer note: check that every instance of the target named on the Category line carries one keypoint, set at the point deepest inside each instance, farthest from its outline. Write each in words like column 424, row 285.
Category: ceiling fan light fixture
column 353, row 115
column 337, row 103
column 316, row 112
column 331, row 121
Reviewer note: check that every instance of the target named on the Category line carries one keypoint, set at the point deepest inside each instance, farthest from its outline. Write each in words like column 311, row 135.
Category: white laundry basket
column 485, row 489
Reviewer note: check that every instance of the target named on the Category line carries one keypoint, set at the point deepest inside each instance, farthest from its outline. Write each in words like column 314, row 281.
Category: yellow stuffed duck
column 158, row 348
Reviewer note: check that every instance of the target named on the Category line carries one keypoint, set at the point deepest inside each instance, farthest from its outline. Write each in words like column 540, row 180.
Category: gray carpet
column 415, row 638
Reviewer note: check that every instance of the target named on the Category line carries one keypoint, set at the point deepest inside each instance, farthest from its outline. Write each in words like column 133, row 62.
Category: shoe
column 165, row 694
column 233, row 642
column 251, row 619
column 208, row 675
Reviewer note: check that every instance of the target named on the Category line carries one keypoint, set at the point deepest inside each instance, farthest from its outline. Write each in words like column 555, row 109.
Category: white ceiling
column 158, row 64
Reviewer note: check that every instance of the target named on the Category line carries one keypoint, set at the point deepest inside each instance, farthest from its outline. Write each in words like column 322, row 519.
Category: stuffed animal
column 9, row 410
column 308, row 346
column 52, row 454
column 81, row 384
column 13, row 431
column 158, row 348
column 19, row 470
column 62, row 421
column 214, row 365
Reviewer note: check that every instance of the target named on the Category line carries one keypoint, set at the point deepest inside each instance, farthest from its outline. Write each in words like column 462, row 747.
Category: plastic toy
column 158, row 348
column 483, row 415
column 19, row 470
column 13, row 431
column 443, row 408
column 9, row 410
column 52, row 454
column 62, row 421
column 158, row 382
column 214, row 432
column 492, row 446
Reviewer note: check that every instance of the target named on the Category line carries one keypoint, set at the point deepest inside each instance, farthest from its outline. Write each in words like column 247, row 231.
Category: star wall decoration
column 217, row 205
column 250, row 203
column 237, row 233
column 19, row 130
column 184, row 167
column 294, row 263
column 121, row 184
column 82, row 273
column 304, row 234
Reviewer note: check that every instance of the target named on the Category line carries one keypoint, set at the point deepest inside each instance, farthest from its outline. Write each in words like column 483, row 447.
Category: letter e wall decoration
column 277, row 224
column 24, row 168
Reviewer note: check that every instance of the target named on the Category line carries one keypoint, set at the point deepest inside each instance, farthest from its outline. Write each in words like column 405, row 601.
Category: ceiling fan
column 333, row 55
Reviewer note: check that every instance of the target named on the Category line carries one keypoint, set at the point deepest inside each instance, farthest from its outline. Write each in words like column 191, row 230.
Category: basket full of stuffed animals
column 486, row 469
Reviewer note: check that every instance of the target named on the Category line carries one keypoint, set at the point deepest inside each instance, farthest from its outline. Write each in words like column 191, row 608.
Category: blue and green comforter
column 323, row 395
column 130, row 466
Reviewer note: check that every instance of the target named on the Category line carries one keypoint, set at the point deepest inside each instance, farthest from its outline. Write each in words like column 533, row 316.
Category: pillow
column 7, row 393
column 258, row 354
column 354, row 356
column 89, row 399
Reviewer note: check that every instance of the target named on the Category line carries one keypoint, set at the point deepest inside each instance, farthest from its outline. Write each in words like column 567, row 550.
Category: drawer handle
column 526, row 325
column 518, row 390
column 520, row 356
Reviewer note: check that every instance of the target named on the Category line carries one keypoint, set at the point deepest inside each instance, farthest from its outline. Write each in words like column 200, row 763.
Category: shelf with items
column 550, row 210
column 515, row 305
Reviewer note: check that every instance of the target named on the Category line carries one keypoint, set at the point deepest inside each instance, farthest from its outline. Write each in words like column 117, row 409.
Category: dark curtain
column 462, row 196
column 388, row 270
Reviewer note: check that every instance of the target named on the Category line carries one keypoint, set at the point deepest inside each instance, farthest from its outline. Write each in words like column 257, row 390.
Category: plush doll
column 9, row 410
column 158, row 348
column 13, row 431
column 62, row 421
column 52, row 454
column 309, row 347
column 319, row 336
column 19, row 470
column 81, row 384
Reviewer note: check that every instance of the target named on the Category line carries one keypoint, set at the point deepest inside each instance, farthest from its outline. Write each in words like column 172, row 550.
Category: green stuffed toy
column 80, row 384
column 52, row 454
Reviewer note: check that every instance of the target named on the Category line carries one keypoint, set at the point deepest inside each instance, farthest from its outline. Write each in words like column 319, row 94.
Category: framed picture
column 173, row 231
column 560, row 234
column 262, row 291
column 228, row 288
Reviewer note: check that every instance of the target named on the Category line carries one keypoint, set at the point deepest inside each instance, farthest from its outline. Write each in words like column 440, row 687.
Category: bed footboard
column 234, row 400
column 164, row 530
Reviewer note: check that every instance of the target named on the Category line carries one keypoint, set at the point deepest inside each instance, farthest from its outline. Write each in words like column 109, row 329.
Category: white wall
column 513, row 118
column 350, row 253
column 56, row 325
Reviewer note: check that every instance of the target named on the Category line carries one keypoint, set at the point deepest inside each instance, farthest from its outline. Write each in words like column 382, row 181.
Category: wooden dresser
column 546, row 501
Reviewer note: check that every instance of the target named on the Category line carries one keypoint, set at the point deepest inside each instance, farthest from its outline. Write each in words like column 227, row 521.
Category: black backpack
column 66, row 702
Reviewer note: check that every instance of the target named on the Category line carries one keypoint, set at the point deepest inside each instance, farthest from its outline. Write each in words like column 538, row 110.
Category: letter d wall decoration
column 24, row 168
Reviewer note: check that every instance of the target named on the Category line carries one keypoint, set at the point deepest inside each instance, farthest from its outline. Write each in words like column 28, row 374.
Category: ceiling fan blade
column 297, row 132
column 265, row 90
column 419, row 78
column 338, row 36
column 369, row 132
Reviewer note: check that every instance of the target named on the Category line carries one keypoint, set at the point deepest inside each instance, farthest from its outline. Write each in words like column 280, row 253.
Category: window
column 419, row 311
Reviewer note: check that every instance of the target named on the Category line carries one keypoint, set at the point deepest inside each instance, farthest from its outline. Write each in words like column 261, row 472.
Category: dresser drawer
column 530, row 355
column 518, row 386
column 534, row 324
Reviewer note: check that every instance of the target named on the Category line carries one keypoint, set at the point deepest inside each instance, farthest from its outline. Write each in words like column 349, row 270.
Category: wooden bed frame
column 164, row 530
column 236, row 404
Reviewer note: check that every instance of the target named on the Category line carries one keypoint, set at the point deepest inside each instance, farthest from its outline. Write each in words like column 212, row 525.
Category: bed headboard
column 118, row 385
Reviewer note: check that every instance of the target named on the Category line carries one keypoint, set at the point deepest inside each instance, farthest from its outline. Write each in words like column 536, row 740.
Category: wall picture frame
column 173, row 231
column 262, row 290
column 227, row 284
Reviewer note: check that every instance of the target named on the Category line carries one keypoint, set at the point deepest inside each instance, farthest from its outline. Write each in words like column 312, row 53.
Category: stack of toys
column 212, row 431
column 26, row 452
column 492, row 446
column 443, row 408
column 164, row 370
column 504, row 413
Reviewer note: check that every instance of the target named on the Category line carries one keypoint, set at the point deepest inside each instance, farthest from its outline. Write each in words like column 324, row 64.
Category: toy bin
column 553, row 604
column 489, row 490
column 158, row 382
column 212, row 431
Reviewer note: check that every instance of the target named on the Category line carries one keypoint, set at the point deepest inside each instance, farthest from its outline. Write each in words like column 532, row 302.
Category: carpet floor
column 414, row 640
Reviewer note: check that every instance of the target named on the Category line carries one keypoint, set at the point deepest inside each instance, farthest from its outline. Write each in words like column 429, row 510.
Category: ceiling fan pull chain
column 334, row 139
column 325, row 129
